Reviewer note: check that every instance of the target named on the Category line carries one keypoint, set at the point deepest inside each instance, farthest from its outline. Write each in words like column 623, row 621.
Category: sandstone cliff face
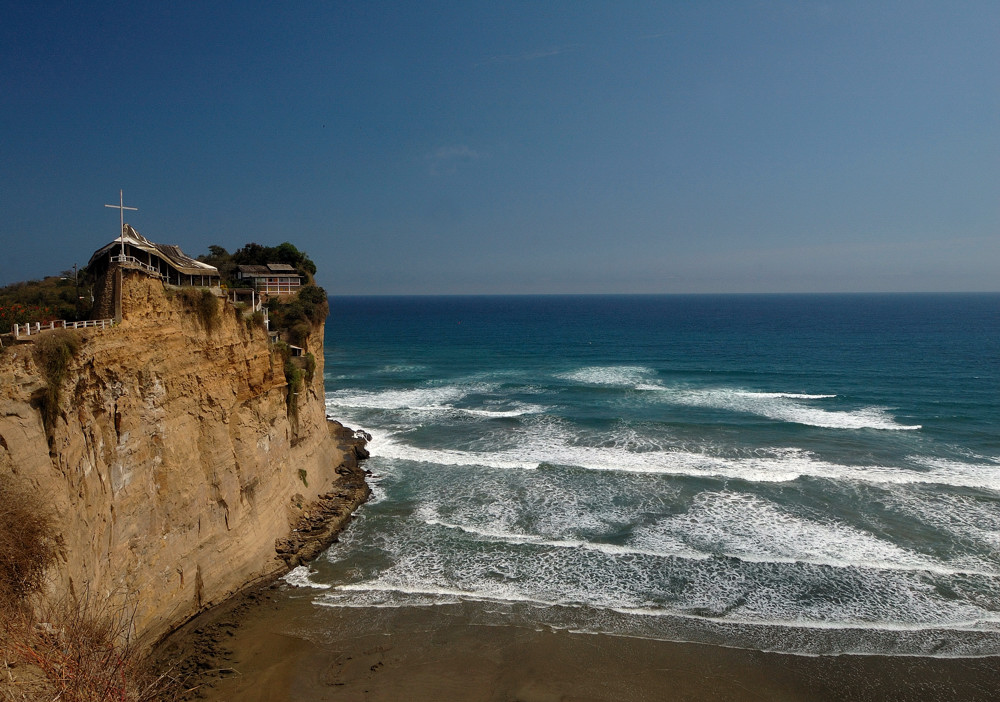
column 175, row 461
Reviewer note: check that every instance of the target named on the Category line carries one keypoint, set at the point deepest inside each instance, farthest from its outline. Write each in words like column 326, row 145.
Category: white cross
column 121, row 208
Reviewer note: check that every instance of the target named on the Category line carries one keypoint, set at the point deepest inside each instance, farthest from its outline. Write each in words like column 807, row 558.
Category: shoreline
column 323, row 519
column 272, row 642
column 193, row 652
column 278, row 645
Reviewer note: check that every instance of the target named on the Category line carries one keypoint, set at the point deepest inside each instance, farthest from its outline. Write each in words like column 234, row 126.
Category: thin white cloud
column 530, row 55
column 448, row 158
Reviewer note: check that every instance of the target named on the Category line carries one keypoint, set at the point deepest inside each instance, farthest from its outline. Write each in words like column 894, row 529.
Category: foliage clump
column 65, row 296
column 256, row 320
column 298, row 315
column 28, row 543
column 310, row 368
column 293, row 376
column 257, row 255
column 53, row 352
column 205, row 303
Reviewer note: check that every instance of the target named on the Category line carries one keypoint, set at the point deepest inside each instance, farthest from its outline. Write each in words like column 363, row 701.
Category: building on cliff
column 272, row 279
column 169, row 263
column 133, row 251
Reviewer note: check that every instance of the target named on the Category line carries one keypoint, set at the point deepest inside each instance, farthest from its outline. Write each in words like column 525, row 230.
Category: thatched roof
column 168, row 252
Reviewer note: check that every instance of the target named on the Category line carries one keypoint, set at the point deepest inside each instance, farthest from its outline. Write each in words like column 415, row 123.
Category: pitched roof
column 254, row 270
column 270, row 269
column 168, row 252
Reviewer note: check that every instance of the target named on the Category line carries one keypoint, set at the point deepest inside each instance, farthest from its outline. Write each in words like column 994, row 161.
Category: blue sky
column 515, row 147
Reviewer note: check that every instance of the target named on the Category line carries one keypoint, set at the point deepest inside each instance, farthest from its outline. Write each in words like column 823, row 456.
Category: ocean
column 812, row 474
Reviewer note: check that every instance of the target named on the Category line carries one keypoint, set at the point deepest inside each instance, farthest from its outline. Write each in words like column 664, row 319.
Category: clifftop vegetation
column 294, row 316
column 65, row 296
column 257, row 255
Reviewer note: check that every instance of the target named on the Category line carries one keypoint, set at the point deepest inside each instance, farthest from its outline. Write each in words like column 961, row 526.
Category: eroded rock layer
column 175, row 460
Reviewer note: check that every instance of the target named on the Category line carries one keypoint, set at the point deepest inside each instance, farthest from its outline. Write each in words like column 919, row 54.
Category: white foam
column 676, row 549
column 967, row 520
column 299, row 577
column 750, row 529
column 391, row 594
column 781, row 406
column 423, row 398
column 546, row 445
column 966, row 625
column 435, row 560
column 401, row 368
column 623, row 376
column 519, row 410
column 427, row 401
column 390, row 448
column 385, row 595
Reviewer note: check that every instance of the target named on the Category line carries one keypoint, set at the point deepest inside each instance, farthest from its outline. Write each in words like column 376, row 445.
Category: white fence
column 24, row 330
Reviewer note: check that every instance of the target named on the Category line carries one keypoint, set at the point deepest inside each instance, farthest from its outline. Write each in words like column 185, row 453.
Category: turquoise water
column 812, row 474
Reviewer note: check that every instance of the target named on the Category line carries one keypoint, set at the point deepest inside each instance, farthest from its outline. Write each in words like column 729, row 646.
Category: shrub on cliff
column 256, row 320
column 310, row 368
column 53, row 352
column 28, row 543
column 205, row 303
column 293, row 376
column 299, row 314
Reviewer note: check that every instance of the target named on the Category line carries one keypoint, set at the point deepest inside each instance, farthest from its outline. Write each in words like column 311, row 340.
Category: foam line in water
column 426, row 400
column 398, row 368
column 434, row 595
column 753, row 530
column 535, row 540
column 429, row 564
column 545, row 447
column 396, row 399
column 783, row 407
column 969, row 625
column 621, row 376
column 299, row 576
column 748, row 529
column 519, row 410
column 428, row 594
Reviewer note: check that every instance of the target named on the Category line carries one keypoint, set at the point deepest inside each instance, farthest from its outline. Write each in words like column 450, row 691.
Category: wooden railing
column 133, row 262
column 22, row 331
column 282, row 288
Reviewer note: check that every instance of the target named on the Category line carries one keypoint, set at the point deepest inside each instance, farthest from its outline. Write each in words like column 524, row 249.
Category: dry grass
column 28, row 545
column 76, row 652
column 73, row 650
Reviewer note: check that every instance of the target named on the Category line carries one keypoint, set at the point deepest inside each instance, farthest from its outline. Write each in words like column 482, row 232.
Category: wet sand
column 279, row 646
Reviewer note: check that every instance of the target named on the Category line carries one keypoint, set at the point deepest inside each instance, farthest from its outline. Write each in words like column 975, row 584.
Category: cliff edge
column 176, row 456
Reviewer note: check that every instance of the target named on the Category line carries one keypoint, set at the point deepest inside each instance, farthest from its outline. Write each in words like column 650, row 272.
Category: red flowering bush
column 17, row 314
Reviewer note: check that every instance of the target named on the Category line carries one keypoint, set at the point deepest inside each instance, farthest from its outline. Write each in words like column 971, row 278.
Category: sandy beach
column 276, row 645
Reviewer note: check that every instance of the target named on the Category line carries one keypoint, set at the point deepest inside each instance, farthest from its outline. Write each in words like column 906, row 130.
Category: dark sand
column 280, row 646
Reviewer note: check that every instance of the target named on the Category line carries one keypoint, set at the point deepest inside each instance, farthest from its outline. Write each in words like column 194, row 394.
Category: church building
column 167, row 262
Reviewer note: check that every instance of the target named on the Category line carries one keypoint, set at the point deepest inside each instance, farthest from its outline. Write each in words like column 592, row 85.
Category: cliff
column 173, row 457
